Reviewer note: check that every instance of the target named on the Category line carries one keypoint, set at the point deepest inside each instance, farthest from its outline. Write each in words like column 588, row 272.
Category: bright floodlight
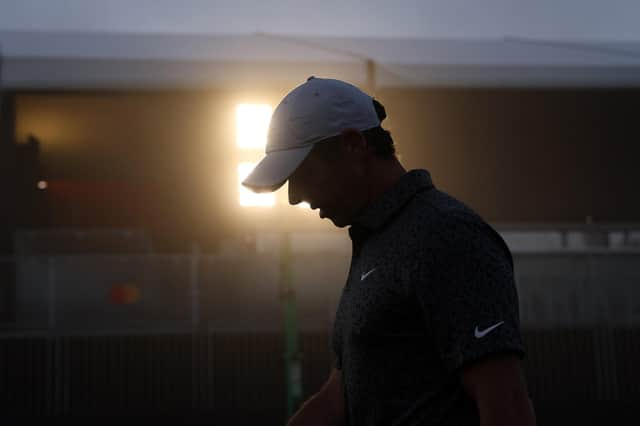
column 249, row 198
column 252, row 124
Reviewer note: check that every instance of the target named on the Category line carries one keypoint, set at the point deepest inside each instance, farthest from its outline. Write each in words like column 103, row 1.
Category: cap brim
column 275, row 168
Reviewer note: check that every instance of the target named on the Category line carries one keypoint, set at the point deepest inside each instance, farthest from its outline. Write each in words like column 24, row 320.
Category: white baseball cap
column 316, row 110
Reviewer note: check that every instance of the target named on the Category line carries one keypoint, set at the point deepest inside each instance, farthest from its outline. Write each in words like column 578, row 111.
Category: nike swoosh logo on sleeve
column 481, row 333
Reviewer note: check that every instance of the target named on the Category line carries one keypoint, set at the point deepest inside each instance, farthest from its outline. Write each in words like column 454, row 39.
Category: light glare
column 252, row 124
column 249, row 198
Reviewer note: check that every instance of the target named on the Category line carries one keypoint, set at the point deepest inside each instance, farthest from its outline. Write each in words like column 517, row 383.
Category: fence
column 594, row 288
column 239, row 378
column 204, row 335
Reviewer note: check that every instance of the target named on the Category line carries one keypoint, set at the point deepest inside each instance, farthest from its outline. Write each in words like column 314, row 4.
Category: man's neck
column 387, row 174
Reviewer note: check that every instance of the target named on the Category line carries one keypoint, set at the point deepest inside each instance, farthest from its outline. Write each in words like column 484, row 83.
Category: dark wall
column 525, row 155
column 165, row 161
column 154, row 160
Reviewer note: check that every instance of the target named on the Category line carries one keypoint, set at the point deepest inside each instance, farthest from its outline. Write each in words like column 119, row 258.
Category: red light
column 124, row 294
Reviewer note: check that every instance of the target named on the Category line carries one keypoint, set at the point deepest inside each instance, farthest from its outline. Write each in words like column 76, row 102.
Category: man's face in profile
column 331, row 179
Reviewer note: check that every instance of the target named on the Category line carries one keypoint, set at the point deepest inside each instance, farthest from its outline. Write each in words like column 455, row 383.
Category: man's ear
column 354, row 141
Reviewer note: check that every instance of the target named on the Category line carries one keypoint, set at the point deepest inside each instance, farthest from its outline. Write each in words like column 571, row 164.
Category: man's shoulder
column 449, row 223
column 437, row 209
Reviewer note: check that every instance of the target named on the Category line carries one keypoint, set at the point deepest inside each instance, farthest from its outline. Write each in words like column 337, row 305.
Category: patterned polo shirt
column 430, row 289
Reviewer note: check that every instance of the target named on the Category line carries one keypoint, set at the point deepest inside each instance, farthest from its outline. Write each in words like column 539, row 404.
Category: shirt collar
column 384, row 208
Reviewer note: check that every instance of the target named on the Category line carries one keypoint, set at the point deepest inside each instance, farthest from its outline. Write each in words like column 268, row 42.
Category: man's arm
column 325, row 408
column 497, row 385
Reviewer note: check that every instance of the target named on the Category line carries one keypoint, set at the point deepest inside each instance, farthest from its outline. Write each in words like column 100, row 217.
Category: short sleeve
column 468, row 296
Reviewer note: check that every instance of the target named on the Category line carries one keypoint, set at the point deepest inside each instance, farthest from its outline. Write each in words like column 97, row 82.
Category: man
column 427, row 329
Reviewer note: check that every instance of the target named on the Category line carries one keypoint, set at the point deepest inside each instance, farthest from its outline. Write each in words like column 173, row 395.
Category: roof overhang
column 36, row 60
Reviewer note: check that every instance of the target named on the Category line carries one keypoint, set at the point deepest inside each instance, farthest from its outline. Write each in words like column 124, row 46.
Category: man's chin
column 339, row 222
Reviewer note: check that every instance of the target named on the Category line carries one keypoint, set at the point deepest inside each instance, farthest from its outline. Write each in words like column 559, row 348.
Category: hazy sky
column 553, row 19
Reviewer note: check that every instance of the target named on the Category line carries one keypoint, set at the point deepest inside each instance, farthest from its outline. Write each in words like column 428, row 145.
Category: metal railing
column 179, row 293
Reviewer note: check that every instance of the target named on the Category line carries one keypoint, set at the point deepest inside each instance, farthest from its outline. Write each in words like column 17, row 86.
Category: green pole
column 293, row 369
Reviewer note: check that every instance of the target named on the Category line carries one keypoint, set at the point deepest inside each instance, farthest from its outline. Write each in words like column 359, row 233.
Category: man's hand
column 497, row 385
